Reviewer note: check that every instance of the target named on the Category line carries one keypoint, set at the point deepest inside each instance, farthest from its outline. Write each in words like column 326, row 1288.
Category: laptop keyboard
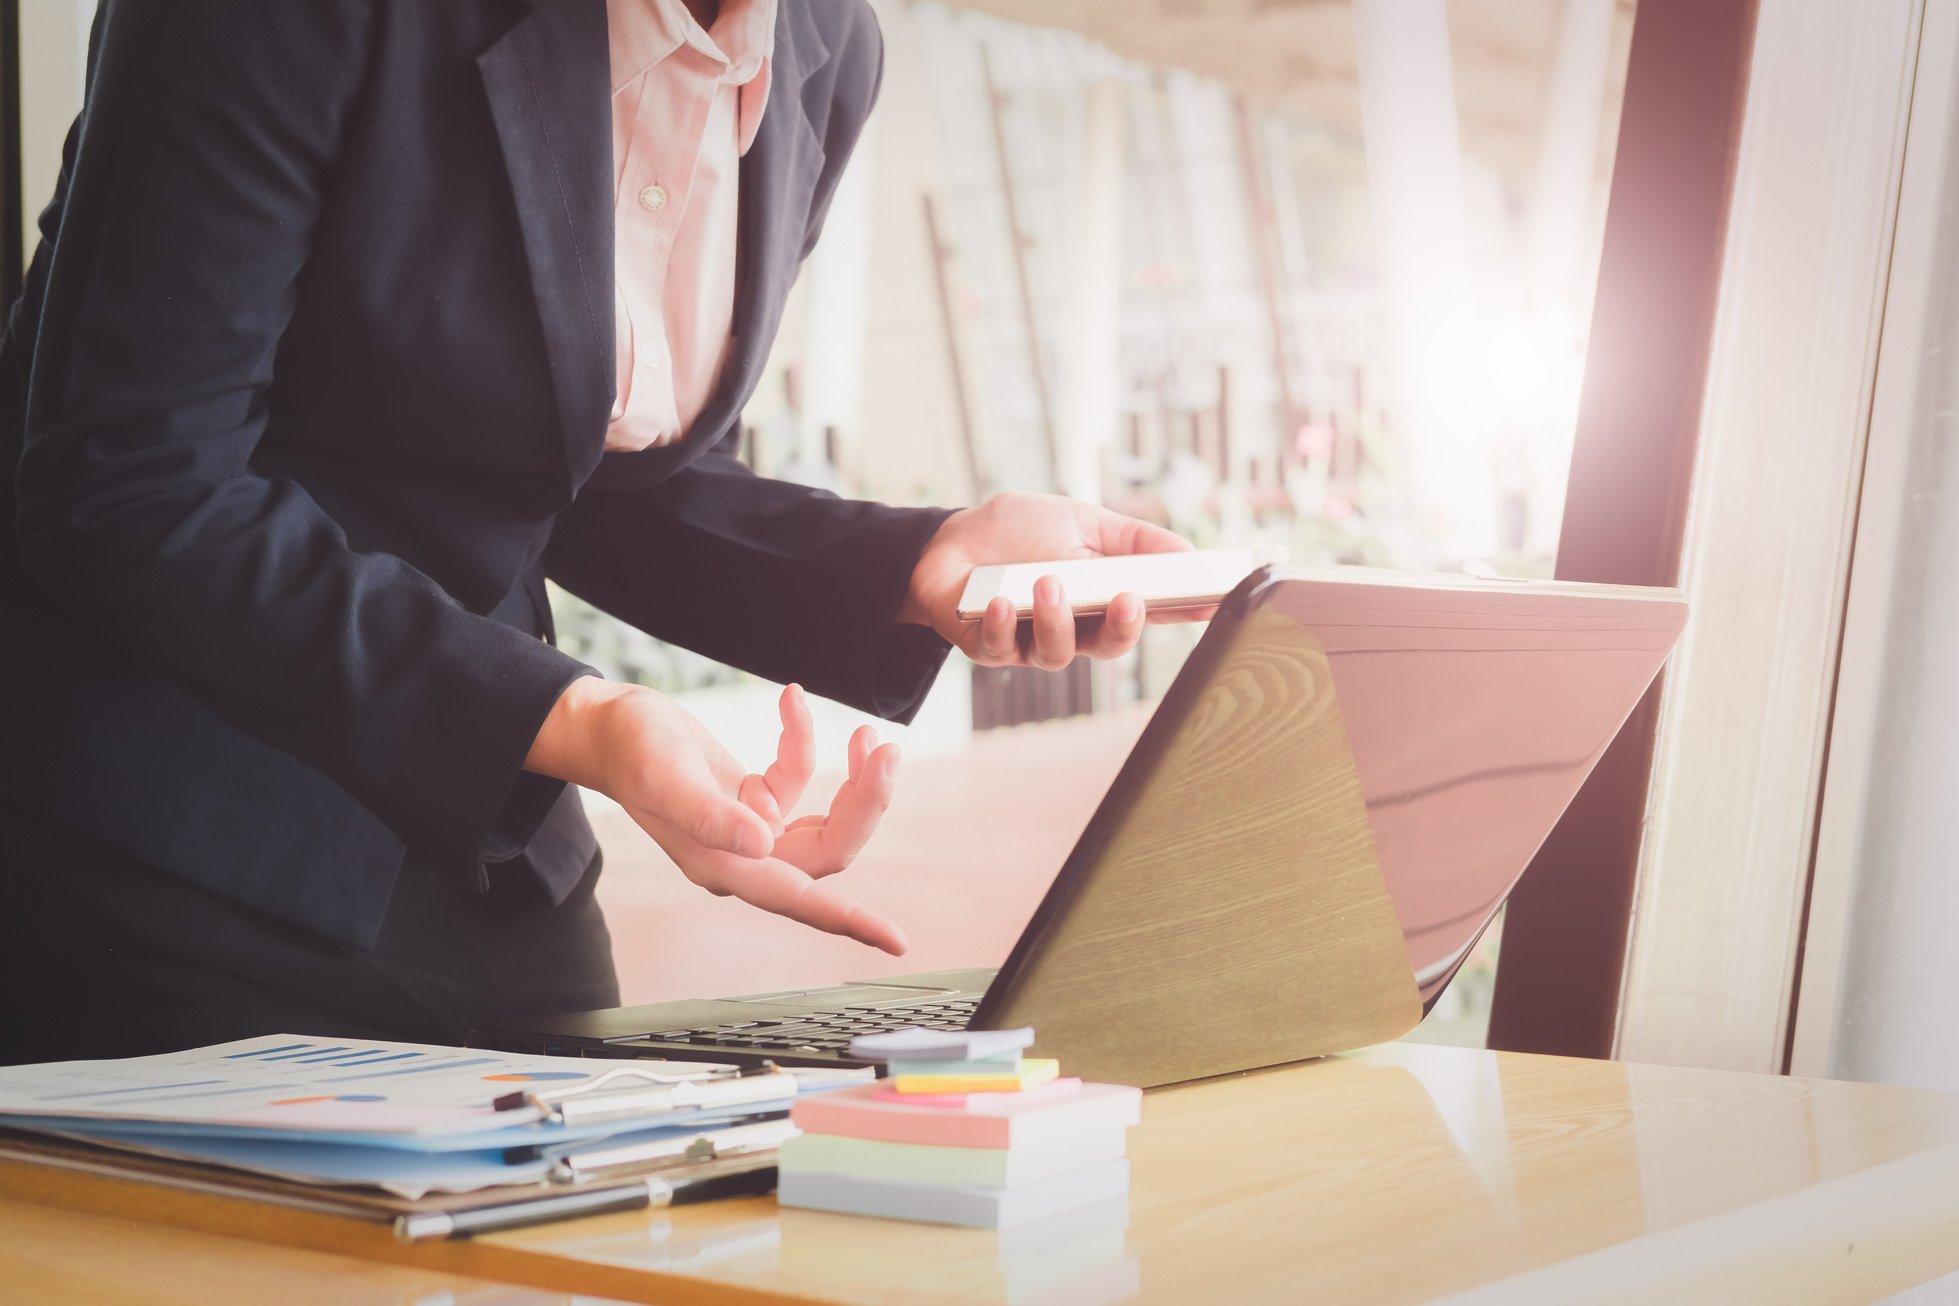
column 825, row 1031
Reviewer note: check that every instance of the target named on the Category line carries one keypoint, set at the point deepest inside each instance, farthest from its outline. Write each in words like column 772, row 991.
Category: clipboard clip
column 597, row 1100
column 662, row 1155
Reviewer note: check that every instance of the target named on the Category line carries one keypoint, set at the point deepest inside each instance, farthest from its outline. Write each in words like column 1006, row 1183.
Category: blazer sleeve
column 208, row 136
column 790, row 583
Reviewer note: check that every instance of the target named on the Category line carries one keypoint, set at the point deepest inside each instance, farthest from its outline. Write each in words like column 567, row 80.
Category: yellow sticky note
column 1031, row 1072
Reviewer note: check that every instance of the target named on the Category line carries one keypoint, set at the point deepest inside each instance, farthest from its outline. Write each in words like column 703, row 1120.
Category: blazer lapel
column 548, row 82
column 778, row 178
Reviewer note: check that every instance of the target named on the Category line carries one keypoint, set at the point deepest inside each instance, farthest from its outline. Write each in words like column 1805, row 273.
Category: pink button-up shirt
column 685, row 107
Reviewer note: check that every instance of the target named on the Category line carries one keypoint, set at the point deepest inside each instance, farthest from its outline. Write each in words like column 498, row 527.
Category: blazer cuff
column 488, row 808
column 896, row 668
column 908, row 663
column 532, row 796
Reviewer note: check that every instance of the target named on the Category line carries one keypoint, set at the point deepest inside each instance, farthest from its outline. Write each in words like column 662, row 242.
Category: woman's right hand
column 723, row 828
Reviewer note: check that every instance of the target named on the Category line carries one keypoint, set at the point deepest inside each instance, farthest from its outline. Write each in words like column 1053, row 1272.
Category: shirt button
column 653, row 198
column 651, row 356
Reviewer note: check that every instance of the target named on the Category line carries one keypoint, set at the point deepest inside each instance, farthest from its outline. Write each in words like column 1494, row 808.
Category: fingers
column 755, row 796
column 795, row 753
column 776, row 886
column 998, row 642
column 1053, row 644
column 775, row 794
column 725, row 844
column 725, row 825
column 1121, row 626
column 862, row 741
column 827, row 845
column 1116, row 533
column 1050, row 640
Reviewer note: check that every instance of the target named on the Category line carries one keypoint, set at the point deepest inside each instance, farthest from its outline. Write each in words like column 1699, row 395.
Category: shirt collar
column 644, row 32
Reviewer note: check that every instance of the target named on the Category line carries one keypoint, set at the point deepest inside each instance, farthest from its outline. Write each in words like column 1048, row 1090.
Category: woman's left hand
column 1031, row 528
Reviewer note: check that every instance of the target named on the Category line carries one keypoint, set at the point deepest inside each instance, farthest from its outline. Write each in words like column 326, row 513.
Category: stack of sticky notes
column 963, row 1129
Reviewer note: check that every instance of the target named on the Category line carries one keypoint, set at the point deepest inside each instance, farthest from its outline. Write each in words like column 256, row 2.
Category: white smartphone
column 1164, row 581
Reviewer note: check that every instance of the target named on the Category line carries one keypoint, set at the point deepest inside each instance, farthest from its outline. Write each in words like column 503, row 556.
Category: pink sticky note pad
column 1054, row 1088
column 1046, row 1115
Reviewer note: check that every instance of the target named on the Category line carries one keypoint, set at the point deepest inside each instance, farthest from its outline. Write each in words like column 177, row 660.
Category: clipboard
column 635, row 1134
column 368, row 1205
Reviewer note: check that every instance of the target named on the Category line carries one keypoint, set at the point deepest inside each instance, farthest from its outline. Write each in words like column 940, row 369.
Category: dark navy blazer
column 307, row 393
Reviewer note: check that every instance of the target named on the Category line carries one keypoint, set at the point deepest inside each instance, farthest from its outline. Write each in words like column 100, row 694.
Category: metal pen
column 640, row 1194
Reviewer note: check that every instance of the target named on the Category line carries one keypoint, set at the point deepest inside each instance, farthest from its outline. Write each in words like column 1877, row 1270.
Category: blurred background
column 1314, row 275
column 1320, row 274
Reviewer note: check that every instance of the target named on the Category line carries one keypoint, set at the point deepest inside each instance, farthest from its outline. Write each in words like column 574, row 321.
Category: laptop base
column 797, row 1027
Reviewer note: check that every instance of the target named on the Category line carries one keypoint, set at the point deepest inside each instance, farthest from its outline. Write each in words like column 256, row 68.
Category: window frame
column 1693, row 883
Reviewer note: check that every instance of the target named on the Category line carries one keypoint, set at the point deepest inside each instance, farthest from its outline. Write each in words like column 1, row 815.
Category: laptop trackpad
column 848, row 995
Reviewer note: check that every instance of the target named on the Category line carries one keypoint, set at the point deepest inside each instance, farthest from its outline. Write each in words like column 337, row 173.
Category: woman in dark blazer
column 306, row 396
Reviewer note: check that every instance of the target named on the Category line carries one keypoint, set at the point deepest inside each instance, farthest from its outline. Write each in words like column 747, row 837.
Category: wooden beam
column 1019, row 242
column 962, row 392
column 1269, row 260
column 1564, row 936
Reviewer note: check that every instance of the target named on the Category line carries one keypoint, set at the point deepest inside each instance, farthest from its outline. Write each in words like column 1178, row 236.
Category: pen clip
column 583, row 1104
column 546, row 1099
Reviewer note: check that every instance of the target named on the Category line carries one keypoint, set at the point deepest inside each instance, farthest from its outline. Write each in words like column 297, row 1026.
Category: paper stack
column 405, row 1118
column 963, row 1130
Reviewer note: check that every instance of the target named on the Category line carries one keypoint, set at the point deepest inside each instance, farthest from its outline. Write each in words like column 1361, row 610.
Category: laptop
column 1323, row 815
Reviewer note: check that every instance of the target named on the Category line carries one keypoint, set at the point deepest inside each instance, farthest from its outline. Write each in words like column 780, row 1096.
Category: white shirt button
column 652, row 356
column 653, row 198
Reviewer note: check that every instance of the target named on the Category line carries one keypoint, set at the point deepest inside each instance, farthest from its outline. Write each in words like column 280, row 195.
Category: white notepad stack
column 963, row 1130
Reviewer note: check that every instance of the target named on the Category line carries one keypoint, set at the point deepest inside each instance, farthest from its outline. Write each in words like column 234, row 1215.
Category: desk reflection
column 1077, row 1259
column 1400, row 1174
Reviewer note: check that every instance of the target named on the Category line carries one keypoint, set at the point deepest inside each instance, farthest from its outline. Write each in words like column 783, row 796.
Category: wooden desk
column 1402, row 1174
column 59, row 1256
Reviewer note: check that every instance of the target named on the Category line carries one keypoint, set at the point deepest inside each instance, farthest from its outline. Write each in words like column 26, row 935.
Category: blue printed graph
column 314, row 1054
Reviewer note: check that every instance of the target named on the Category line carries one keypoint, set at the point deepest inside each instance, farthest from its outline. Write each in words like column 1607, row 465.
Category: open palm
column 726, row 829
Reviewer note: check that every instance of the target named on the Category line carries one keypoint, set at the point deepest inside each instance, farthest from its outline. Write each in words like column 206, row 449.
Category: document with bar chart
column 289, row 1085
